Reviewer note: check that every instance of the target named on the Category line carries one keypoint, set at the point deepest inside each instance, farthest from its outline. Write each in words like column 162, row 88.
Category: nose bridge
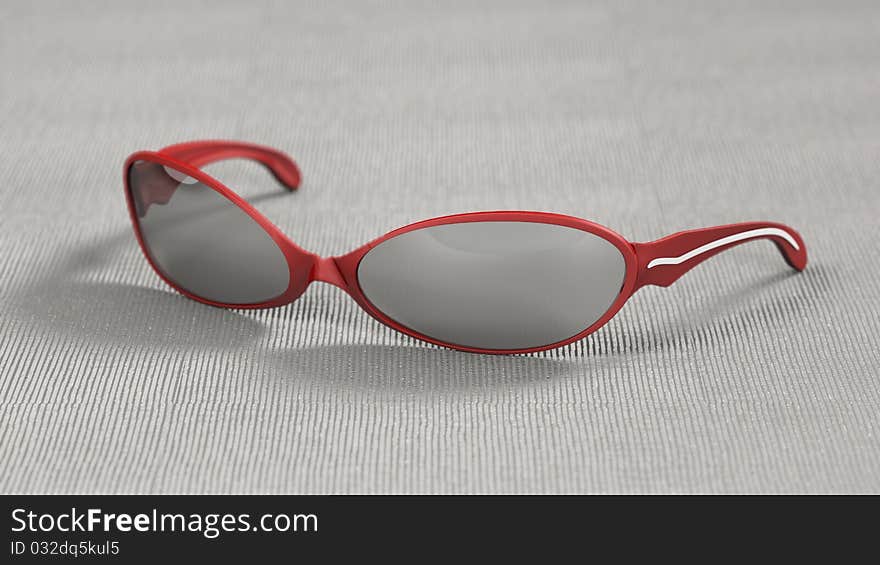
column 326, row 270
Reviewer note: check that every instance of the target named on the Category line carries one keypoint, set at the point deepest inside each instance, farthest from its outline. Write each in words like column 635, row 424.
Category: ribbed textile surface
column 646, row 117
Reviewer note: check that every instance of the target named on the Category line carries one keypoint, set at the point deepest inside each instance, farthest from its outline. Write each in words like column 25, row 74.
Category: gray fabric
column 646, row 117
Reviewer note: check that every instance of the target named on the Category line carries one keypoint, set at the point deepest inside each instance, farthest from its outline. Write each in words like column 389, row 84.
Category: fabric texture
column 648, row 118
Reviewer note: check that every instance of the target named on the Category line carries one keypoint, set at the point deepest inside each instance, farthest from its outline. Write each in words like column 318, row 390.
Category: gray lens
column 202, row 241
column 494, row 285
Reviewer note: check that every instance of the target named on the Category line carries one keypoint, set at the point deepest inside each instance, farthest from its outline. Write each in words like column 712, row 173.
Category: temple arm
column 201, row 153
column 663, row 261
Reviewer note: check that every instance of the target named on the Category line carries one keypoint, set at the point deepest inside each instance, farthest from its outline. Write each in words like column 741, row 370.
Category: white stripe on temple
column 760, row 232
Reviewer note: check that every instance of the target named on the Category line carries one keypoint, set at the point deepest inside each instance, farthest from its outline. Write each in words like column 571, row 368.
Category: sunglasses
column 487, row 282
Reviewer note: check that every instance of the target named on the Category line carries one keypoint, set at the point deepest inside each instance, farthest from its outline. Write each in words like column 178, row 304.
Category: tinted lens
column 494, row 285
column 202, row 241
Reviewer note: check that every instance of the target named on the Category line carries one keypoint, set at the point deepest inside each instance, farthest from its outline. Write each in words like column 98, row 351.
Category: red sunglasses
column 488, row 282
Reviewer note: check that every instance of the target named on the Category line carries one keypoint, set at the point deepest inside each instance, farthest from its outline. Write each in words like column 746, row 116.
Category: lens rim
column 348, row 267
column 300, row 262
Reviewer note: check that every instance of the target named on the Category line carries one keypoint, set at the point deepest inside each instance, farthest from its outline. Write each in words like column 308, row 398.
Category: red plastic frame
column 659, row 262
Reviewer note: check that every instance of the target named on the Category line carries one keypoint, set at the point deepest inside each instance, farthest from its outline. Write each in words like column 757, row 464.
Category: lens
column 202, row 241
column 494, row 285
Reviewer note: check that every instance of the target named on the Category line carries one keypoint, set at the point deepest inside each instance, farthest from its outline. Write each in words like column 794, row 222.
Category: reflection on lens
column 494, row 285
column 202, row 241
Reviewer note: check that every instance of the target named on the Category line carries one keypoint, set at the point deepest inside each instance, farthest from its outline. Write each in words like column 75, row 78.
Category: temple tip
column 796, row 258
column 285, row 171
